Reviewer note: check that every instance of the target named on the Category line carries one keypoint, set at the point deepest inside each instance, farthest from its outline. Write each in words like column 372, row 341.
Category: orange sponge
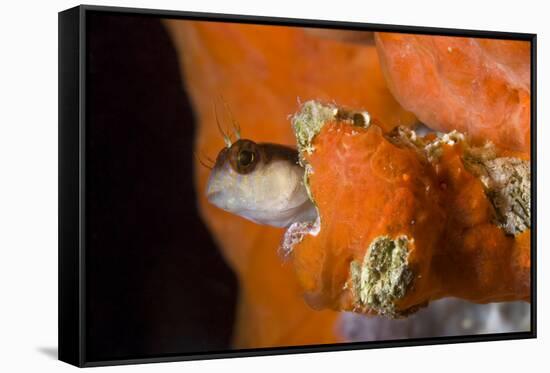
column 405, row 220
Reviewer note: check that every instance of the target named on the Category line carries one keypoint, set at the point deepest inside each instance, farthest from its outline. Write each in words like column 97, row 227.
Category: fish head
column 261, row 182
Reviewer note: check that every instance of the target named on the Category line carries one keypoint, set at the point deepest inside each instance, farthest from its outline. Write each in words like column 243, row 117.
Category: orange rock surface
column 366, row 186
column 476, row 86
column 261, row 71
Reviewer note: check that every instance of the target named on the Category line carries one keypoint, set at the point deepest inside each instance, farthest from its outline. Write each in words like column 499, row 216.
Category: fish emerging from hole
column 261, row 182
column 264, row 182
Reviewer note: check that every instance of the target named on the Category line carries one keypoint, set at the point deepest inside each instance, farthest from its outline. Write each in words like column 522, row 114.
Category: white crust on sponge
column 296, row 232
column 383, row 277
column 507, row 183
column 307, row 123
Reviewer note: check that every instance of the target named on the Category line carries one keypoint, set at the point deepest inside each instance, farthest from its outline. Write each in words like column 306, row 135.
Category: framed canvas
column 235, row 186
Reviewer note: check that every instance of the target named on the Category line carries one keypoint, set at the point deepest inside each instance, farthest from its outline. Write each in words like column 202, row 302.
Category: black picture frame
column 72, row 182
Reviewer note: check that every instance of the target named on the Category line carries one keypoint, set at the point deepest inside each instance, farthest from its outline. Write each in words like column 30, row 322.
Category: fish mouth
column 214, row 197
column 213, row 191
column 217, row 196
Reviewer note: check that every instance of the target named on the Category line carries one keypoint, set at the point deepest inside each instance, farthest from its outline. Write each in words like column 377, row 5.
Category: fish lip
column 211, row 196
column 212, row 191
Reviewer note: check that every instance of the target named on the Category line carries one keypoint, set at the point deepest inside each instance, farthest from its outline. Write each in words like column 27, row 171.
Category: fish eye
column 245, row 158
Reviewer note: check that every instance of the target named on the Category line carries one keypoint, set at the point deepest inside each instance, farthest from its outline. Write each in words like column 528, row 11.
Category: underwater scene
column 352, row 186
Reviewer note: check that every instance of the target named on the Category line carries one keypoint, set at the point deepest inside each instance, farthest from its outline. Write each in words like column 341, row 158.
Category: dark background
column 155, row 281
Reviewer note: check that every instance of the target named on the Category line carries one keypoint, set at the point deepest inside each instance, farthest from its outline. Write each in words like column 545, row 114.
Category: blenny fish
column 261, row 182
column 264, row 182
